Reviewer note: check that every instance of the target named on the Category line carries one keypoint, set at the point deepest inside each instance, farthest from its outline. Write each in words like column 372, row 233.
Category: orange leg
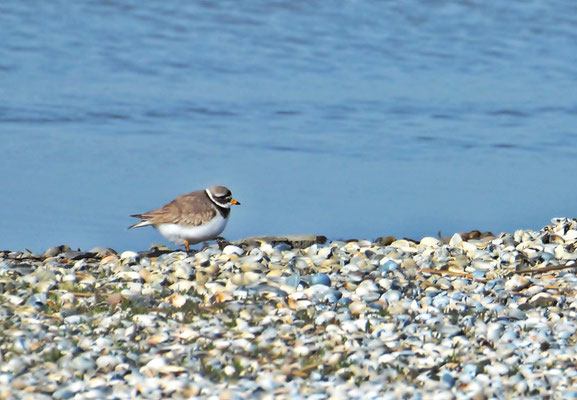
column 186, row 246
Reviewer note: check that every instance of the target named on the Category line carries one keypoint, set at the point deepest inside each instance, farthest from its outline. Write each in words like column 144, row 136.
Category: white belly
column 194, row 234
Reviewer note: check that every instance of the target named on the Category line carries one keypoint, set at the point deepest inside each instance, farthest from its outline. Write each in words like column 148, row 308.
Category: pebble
column 470, row 316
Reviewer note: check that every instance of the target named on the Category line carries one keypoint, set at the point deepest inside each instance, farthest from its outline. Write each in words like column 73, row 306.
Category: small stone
column 542, row 300
column 385, row 240
column 56, row 250
column 357, row 307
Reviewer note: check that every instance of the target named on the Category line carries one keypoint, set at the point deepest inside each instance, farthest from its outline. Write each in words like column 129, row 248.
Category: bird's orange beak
column 233, row 201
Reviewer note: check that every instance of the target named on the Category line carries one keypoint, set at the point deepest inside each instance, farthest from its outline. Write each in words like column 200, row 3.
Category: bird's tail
column 139, row 224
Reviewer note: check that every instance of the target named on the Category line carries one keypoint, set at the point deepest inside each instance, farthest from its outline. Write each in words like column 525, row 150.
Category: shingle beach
column 471, row 316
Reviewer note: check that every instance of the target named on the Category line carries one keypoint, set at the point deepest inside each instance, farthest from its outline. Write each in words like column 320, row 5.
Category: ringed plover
column 191, row 218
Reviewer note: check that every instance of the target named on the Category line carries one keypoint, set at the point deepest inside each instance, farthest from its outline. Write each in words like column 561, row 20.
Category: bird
column 192, row 217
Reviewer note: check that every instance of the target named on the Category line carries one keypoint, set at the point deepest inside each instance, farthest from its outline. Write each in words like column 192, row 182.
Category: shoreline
column 290, row 317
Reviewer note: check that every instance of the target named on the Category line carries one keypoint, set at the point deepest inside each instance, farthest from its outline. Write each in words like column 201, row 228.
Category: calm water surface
column 349, row 119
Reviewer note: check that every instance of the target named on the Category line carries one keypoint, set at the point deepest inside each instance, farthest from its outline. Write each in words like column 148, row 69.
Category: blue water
column 350, row 119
